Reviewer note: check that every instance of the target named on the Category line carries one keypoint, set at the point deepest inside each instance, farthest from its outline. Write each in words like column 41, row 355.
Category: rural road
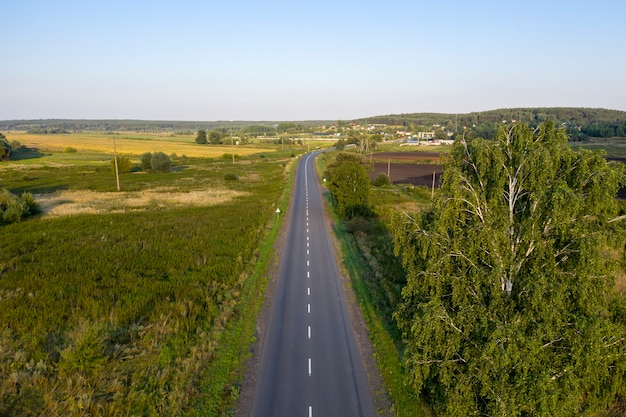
column 310, row 365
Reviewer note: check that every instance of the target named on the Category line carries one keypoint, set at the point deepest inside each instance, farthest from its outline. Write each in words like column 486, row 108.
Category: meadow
column 133, row 302
column 130, row 143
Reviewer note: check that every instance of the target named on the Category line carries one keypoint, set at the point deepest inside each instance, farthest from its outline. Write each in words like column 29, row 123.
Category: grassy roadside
column 220, row 386
column 386, row 350
column 376, row 310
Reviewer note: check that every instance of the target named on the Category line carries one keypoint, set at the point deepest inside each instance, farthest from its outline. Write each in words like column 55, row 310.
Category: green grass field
column 119, row 303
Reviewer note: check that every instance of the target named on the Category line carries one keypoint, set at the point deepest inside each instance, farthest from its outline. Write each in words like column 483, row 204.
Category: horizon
column 304, row 120
column 243, row 61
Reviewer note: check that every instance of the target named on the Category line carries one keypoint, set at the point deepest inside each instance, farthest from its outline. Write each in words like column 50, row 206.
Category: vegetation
column 13, row 208
column 5, row 148
column 160, row 162
column 377, row 278
column 201, row 138
column 124, row 164
column 149, row 326
column 349, row 186
column 381, row 180
column 507, row 307
column 580, row 123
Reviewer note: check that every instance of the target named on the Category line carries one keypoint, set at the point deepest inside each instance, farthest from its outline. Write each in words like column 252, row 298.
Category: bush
column 146, row 161
column 229, row 156
column 160, row 162
column 381, row 180
column 69, row 149
column 124, row 164
column 5, row 148
column 231, row 177
column 14, row 208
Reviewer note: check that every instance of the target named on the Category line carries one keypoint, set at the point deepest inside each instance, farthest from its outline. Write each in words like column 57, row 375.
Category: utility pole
column 232, row 146
column 117, row 173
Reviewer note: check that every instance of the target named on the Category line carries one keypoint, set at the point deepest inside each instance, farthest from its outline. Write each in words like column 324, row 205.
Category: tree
column 349, row 186
column 340, row 145
column 201, row 137
column 160, row 162
column 5, row 148
column 146, row 161
column 124, row 164
column 215, row 137
column 508, row 281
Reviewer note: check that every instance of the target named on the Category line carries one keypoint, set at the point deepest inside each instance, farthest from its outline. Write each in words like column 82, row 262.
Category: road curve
column 310, row 364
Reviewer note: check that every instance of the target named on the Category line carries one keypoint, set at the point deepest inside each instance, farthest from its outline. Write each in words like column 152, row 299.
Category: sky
column 314, row 60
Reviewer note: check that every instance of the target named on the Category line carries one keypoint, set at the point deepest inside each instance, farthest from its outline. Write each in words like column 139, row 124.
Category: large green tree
column 349, row 186
column 201, row 137
column 505, row 311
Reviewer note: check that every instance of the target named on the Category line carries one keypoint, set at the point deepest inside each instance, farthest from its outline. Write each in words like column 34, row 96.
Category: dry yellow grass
column 128, row 143
column 67, row 203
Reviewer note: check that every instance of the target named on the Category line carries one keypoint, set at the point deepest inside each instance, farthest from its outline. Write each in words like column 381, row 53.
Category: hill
column 581, row 123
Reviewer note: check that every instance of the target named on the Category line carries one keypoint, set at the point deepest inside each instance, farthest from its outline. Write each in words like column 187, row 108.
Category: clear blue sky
column 295, row 60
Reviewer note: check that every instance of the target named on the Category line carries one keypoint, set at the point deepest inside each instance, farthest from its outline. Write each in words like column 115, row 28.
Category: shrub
column 5, row 148
column 229, row 156
column 231, row 177
column 160, row 162
column 146, row 161
column 381, row 180
column 124, row 164
column 14, row 208
column 69, row 149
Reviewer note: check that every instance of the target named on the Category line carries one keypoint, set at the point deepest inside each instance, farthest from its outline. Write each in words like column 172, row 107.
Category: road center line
column 310, row 411
column 308, row 274
column 308, row 308
column 309, row 332
column 308, row 291
column 309, row 366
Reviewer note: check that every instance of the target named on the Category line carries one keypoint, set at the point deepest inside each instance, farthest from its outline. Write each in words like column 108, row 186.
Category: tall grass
column 123, row 313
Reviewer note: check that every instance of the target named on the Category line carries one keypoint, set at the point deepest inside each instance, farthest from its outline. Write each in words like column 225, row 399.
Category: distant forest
column 580, row 123
column 56, row 126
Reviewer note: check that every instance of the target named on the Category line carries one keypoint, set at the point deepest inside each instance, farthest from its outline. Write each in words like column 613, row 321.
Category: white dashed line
column 308, row 291
column 308, row 308
column 309, row 366
column 309, row 332
column 310, row 411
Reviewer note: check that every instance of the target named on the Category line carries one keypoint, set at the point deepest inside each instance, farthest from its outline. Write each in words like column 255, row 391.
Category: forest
column 580, row 123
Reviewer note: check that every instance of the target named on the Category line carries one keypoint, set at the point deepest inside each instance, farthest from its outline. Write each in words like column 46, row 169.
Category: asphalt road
column 310, row 364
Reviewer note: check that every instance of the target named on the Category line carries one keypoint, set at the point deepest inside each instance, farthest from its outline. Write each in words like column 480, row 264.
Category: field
column 132, row 302
column 414, row 168
column 130, row 143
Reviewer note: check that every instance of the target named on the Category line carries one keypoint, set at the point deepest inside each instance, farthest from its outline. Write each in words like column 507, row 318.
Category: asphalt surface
column 310, row 364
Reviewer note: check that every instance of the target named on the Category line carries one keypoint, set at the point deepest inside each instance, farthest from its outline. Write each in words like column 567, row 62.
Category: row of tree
column 214, row 137
column 150, row 162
